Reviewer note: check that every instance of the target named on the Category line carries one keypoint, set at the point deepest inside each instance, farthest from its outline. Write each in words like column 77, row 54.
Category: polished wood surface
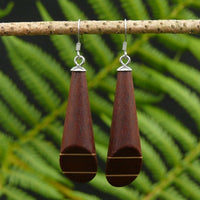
column 124, row 159
column 78, row 157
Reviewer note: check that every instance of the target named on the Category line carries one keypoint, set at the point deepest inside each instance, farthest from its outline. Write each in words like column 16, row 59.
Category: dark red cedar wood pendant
column 78, row 158
column 124, row 159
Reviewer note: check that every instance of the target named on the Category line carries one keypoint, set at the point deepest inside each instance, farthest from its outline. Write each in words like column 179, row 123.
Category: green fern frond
column 187, row 99
column 190, row 190
column 106, row 119
column 108, row 85
column 105, row 9
column 7, row 10
column 135, row 10
column 142, row 97
column 194, row 170
column 40, row 63
column 9, row 122
column 55, row 130
column 159, row 138
column 71, row 11
column 99, row 51
column 100, row 136
column 29, row 162
column 186, row 73
column 186, row 14
column 17, row 101
column 92, row 43
column 101, row 151
column 14, row 193
column 195, row 4
column 143, row 81
column 47, row 151
column 193, row 45
column 102, row 140
column 40, row 89
column 100, row 105
column 5, row 144
column 85, row 196
column 142, row 183
column 159, row 8
column 32, row 158
column 63, row 43
column 170, row 41
column 121, row 193
column 179, row 132
column 152, row 56
column 185, row 43
column 30, row 182
column 157, row 168
column 171, row 194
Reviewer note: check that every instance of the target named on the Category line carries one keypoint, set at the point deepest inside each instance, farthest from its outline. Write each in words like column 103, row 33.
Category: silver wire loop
column 124, row 66
column 79, row 57
column 78, row 67
column 125, row 56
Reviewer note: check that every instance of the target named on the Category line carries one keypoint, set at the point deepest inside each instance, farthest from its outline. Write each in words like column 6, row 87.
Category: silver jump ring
column 125, row 56
column 79, row 57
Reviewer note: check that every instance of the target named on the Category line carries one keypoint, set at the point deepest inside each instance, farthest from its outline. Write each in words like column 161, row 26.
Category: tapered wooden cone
column 124, row 159
column 78, row 158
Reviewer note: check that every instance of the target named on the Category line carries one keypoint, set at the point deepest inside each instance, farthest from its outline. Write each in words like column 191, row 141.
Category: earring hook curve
column 79, row 30
column 125, row 30
column 79, row 57
column 124, row 66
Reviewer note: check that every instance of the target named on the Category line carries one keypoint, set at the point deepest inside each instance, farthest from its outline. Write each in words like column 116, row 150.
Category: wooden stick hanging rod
column 99, row 27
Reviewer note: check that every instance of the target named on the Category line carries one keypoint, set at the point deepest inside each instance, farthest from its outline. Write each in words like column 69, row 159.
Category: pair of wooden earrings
column 78, row 157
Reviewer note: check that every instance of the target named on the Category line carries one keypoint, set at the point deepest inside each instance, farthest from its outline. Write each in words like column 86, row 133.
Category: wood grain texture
column 124, row 154
column 78, row 157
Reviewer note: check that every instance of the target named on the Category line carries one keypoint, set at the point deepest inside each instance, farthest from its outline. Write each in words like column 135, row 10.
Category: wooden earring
column 124, row 160
column 78, row 157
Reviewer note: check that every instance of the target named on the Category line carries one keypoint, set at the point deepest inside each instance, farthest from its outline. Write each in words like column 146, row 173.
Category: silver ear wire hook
column 124, row 46
column 78, row 66
column 125, row 29
column 78, row 44
column 124, row 66
column 79, row 29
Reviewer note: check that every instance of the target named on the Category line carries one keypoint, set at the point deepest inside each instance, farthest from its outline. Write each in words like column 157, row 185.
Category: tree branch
column 100, row 27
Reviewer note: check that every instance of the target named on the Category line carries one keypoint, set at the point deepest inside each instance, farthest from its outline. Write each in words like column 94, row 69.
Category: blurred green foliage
column 31, row 130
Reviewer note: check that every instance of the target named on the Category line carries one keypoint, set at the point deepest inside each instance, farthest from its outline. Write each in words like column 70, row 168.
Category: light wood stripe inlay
column 132, row 157
column 79, row 172
column 120, row 175
column 77, row 154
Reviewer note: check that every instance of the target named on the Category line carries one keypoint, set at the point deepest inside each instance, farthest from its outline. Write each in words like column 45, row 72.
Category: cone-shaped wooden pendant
column 124, row 159
column 78, row 158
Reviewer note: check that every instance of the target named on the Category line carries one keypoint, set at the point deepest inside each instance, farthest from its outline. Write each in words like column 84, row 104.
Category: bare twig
column 100, row 27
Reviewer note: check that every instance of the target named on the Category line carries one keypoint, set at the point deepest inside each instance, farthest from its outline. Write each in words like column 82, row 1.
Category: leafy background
column 34, row 85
